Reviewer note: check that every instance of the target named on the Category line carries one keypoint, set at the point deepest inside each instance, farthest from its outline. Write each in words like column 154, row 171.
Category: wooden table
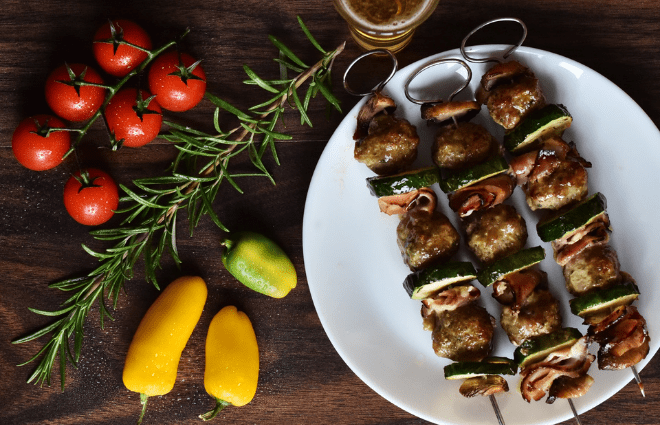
column 302, row 378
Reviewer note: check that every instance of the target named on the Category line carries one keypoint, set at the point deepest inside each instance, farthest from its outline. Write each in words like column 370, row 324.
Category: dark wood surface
column 302, row 378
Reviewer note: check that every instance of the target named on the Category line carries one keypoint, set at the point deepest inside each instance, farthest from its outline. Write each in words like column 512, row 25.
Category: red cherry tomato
column 91, row 197
column 71, row 102
column 119, row 59
column 37, row 149
column 177, row 80
column 136, row 121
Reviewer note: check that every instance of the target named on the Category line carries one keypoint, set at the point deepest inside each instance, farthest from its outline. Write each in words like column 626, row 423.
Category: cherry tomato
column 37, row 149
column 69, row 100
column 91, row 197
column 114, row 57
column 135, row 120
column 177, row 80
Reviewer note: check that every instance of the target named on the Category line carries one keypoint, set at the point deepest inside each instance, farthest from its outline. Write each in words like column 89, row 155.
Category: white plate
column 355, row 270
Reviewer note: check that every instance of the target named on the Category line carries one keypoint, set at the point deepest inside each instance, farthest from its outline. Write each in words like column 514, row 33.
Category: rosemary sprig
column 149, row 228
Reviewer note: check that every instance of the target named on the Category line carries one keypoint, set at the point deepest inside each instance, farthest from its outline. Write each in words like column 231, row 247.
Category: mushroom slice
column 565, row 387
column 376, row 104
column 503, row 72
column 444, row 113
column 483, row 385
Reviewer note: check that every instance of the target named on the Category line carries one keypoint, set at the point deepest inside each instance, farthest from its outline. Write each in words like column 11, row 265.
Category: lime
column 259, row 263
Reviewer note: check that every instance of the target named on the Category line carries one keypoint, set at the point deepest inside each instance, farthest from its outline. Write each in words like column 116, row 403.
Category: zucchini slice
column 474, row 174
column 515, row 262
column 558, row 226
column 615, row 296
column 424, row 283
column 403, row 182
column 537, row 348
column 489, row 366
column 551, row 120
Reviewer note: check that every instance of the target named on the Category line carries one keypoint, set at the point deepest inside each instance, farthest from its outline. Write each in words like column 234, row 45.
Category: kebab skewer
column 461, row 329
column 554, row 176
column 495, row 230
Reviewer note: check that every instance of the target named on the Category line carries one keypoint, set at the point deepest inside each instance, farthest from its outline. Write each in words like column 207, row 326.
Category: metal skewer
column 575, row 414
column 640, row 384
column 496, row 408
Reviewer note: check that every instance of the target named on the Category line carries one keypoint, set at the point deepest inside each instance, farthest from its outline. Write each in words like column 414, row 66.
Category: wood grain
column 302, row 378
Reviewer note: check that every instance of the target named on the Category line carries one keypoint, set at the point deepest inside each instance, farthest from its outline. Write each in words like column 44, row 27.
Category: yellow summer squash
column 153, row 356
column 232, row 360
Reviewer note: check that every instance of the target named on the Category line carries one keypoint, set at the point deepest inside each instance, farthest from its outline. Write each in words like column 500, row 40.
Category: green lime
column 259, row 263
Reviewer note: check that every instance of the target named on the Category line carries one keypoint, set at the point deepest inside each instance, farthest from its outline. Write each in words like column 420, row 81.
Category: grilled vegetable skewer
column 554, row 177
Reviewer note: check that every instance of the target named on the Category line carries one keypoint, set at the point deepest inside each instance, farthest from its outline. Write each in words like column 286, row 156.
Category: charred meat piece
column 508, row 104
column 389, row 147
column 595, row 267
column 461, row 146
column 553, row 176
column 623, row 339
column 482, row 195
column 516, row 287
column 425, row 238
column 496, row 232
column 464, row 334
column 483, row 385
column 538, row 315
column 446, row 113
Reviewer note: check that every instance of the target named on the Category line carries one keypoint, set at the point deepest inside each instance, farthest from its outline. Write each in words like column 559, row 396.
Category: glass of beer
column 384, row 24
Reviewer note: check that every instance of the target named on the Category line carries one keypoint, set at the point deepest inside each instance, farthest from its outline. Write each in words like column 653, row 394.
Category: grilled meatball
column 467, row 144
column 566, row 184
column 426, row 238
column 496, row 232
column 595, row 267
column 390, row 146
column 464, row 334
column 539, row 315
column 509, row 103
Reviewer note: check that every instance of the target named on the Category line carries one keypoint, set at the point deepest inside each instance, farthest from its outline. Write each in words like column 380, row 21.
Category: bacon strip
column 573, row 362
column 515, row 288
column 594, row 233
column 398, row 204
column 484, row 194
column 537, row 164
column 623, row 338
column 450, row 300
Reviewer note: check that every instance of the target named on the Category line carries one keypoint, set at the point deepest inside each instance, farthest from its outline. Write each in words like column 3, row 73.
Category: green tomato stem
column 219, row 405
column 143, row 399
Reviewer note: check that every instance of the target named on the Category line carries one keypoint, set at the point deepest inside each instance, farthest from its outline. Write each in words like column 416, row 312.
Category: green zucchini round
column 536, row 349
column 465, row 370
column 551, row 120
column 403, row 182
column 474, row 174
column 424, row 283
column 563, row 224
column 515, row 262
column 614, row 296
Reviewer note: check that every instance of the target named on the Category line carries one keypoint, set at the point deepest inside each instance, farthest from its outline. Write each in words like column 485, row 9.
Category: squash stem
column 143, row 399
column 219, row 405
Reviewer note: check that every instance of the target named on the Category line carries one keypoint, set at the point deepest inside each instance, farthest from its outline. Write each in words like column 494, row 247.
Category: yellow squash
column 232, row 360
column 153, row 356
